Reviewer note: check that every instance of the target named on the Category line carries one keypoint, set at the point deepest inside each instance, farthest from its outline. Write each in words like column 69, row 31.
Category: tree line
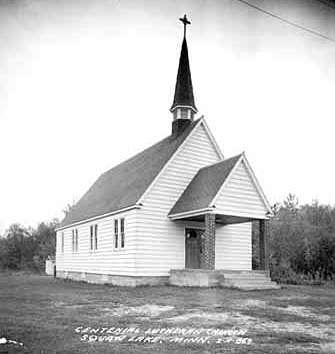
column 301, row 243
column 26, row 248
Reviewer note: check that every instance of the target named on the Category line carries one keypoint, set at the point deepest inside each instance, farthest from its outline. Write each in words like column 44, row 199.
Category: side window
column 62, row 242
column 76, row 240
column 73, row 244
column 122, row 232
column 95, row 237
column 91, row 238
column 116, row 233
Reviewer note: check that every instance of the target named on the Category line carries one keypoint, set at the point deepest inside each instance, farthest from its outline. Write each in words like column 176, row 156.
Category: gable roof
column 204, row 186
column 123, row 185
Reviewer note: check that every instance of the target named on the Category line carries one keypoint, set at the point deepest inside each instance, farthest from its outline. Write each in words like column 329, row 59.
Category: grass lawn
column 50, row 315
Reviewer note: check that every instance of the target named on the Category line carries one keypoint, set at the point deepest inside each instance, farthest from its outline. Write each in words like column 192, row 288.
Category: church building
column 178, row 212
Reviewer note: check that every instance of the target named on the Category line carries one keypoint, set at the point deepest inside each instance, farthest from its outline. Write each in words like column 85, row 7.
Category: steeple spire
column 183, row 107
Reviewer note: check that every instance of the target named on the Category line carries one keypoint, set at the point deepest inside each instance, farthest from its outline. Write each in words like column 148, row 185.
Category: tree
column 18, row 247
column 45, row 240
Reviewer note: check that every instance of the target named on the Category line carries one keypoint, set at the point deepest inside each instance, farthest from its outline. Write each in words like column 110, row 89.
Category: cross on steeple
column 183, row 106
column 186, row 22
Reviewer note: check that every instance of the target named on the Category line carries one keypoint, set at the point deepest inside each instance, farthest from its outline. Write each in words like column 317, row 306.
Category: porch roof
column 204, row 187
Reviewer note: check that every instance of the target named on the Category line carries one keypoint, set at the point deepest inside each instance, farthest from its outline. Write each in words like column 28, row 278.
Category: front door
column 193, row 248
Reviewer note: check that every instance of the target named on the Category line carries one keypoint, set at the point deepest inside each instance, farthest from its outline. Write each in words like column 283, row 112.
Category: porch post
column 208, row 252
column 263, row 244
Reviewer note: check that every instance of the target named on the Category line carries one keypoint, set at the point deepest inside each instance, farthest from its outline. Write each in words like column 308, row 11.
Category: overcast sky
column 86, row 84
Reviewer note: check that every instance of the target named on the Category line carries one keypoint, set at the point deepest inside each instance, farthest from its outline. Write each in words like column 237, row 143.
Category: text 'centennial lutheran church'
column 177, row 212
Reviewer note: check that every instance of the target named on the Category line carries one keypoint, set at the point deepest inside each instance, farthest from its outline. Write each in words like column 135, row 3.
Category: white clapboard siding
column 106, row 259
column 161, row 242
column 233, row 248
column 240, row 196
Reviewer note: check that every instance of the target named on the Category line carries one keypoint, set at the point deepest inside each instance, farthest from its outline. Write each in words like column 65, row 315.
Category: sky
column 86, row 84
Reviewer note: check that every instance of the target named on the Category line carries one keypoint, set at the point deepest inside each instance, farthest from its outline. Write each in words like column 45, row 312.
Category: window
column 122, row 232
column 62, row 242
column 116, row 233
column 93, row 237
column 74, row 240
column 119, row 234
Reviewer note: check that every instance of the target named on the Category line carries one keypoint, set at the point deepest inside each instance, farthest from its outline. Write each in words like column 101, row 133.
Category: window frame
column 119, row 237
column 72, row 233
column 93, row 241
column 116, row 234
column 95, row 237
column 122, row 233
column 76, row 240
column 62, row 242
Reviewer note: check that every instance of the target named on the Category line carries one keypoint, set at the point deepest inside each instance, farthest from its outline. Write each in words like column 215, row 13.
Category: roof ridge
column 154, row 145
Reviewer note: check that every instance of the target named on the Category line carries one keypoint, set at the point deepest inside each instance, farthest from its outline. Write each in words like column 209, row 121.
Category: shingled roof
column 204, row 186
column 123, row 185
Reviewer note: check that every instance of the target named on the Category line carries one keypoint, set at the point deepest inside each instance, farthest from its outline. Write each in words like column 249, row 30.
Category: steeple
column 183, row 106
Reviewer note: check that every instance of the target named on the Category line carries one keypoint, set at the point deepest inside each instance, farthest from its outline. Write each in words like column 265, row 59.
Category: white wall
column 240, row 196
column 233, row 249
column 161, row 242
column 106, row 259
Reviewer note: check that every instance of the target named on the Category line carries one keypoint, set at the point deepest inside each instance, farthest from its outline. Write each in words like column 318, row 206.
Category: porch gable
column 228, row 188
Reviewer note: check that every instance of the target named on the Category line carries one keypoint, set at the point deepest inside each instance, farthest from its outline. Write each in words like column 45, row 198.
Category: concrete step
column 260, row 287
column 248, row 278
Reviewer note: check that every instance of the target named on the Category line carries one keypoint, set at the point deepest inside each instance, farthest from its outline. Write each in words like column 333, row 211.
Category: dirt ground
column 40, row 314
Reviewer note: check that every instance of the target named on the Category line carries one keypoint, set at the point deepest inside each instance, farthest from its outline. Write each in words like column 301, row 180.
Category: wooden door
column 192, row 248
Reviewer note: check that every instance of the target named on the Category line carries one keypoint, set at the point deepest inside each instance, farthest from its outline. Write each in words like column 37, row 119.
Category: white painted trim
column 257, row 185
column 135, row 206
column 190, row 213
column 212, row 138
column 253, row 178
column 181, row 106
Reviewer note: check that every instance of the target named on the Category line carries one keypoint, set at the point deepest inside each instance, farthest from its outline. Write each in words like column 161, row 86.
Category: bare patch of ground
column 144, row 311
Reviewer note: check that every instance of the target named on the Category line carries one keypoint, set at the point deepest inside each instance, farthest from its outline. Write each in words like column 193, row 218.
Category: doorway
column 193, row 248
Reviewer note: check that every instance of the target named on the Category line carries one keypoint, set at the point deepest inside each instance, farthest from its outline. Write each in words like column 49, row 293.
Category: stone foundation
column 117, row 280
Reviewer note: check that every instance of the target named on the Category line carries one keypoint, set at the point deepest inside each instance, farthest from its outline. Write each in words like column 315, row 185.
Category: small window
column 116, row 233
column 76, row 240
column 91, row 238
column 62, row 242
column 72, row 240
column 122, row 232
column 95, row 236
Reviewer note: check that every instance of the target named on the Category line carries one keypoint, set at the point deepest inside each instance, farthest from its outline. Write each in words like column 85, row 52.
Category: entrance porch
column 200, row 255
